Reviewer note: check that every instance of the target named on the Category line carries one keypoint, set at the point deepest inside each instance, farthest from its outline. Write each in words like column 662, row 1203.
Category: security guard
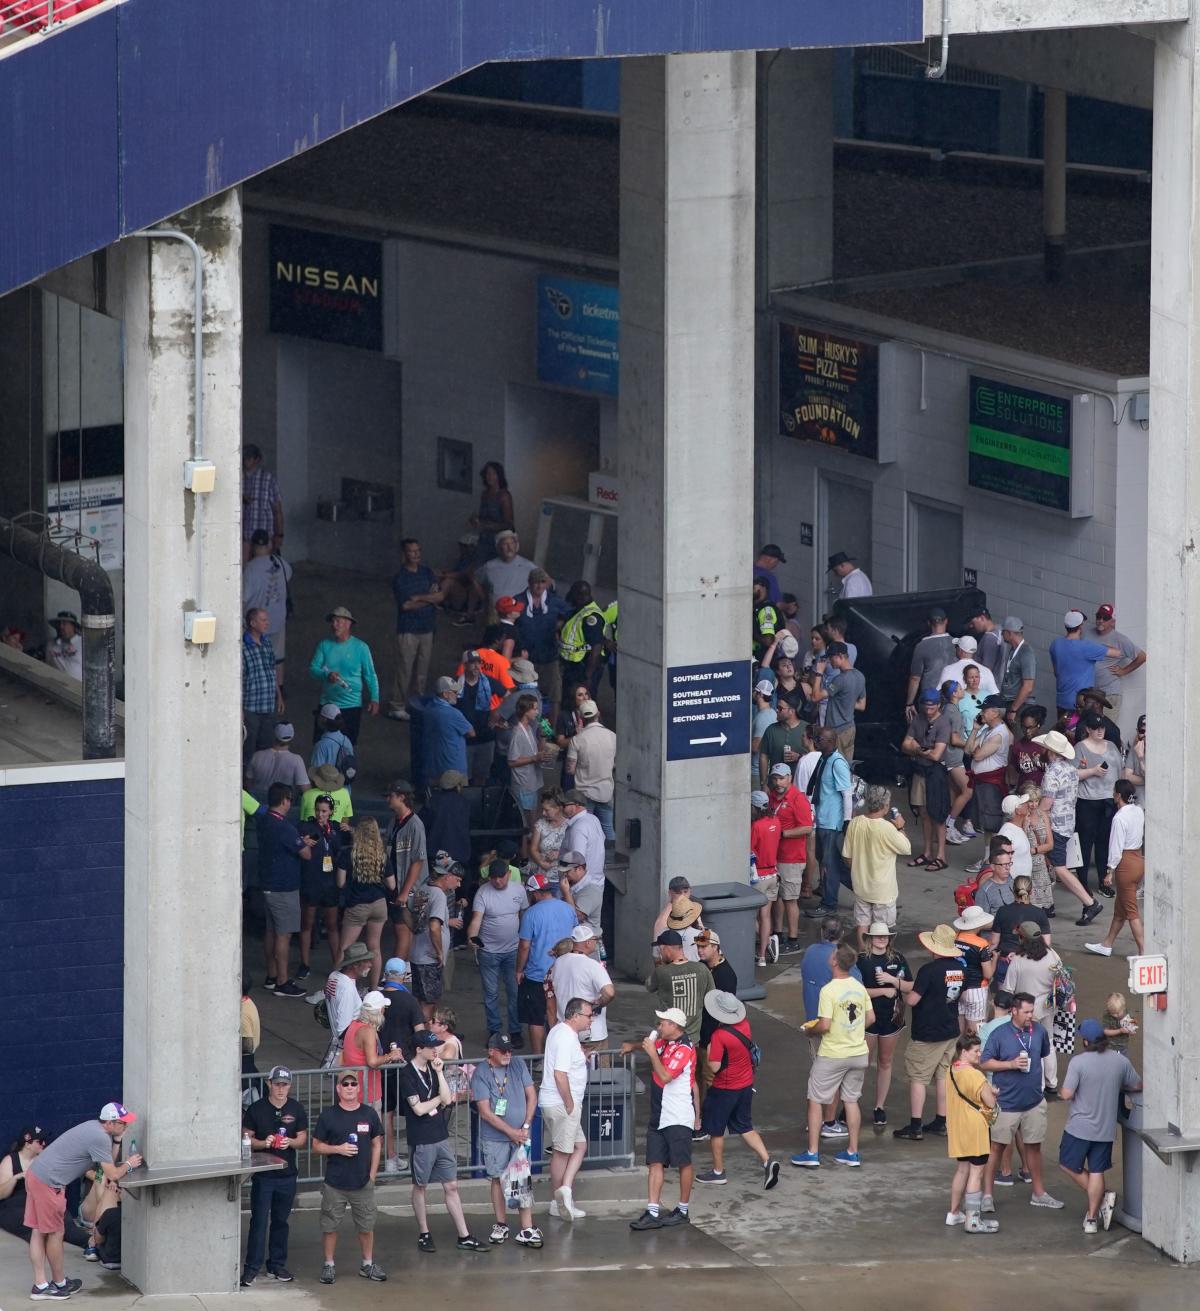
column 581, row 640
column 610, row 643
column 766, row 619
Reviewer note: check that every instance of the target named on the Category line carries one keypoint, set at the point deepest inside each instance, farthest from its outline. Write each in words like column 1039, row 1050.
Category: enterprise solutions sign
column 1019, row 443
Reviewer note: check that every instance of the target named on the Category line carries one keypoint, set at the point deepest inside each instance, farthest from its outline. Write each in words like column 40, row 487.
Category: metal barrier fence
column 608, row 1113
column 19, row 18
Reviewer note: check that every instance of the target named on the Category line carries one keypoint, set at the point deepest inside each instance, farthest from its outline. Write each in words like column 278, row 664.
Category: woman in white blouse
column 1126, row 867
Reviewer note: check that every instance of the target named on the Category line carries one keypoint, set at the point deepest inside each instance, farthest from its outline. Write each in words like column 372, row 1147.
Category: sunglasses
column 348, row 1083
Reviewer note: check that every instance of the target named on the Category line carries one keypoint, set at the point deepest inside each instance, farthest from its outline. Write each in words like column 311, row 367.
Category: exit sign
column 1147, row 974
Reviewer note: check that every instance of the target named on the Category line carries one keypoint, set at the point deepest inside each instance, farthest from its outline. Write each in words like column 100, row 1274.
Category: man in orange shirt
column 765, row 833
column 493, row 664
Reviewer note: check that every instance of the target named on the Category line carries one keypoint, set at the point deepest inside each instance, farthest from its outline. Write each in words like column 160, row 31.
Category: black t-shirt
column 400, row 1020
column 334, row 1127
column 423, row 1085
column 974, row 958
column 262, row 1118
column 725, row 980
column 108, row 1235
column 869, row 968
column 1010, row 917
column 935, row 1016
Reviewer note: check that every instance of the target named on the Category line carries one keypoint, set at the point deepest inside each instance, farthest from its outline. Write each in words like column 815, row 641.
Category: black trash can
column 731, row 910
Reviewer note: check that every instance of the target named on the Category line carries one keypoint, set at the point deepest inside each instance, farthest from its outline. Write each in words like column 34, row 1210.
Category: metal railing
column 608, row 1113
column 21, row 18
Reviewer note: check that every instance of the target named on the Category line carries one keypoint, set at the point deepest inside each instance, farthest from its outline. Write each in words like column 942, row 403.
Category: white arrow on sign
column 704, row 741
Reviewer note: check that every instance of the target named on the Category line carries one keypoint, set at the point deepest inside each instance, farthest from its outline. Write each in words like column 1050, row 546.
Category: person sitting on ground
column 29, row 1143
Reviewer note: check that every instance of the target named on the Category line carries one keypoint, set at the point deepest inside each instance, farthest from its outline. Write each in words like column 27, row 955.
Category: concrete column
column 183, row 749
column 1054, row 181
column 686, row 455
column 1170, row 1195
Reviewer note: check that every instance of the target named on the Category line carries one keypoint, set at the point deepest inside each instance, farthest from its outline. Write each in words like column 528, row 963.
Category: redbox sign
column 1147, row 974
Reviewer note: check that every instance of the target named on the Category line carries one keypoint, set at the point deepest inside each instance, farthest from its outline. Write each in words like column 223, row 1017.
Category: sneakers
column 954, row 1218
column 988, row 1205
column 499, row 1233
column 468, row 1244
column 289, row 990
column 808, row 1160
column 1097, row 948
column 848, row 1158
column 1090, row 1226
column 281, row 1274
column 1046, row 1201
column 914, row 1133
column 529, row 1237
column 391, row 1165
column 967, row 829
column 49, row 1293
column 976, row 1224
column 1003, row 1180
column 835, row 1129
column 110, row 1265
column 1024, row 1176
column 314, row 997
column 246, row 1281
column 269, row 983
column 327, row 1275
column 369, row 1270
column 1107, row 1209
column 975, row 866
column 761, row 962
column 770, row 1174
column 712, row 1177
column 673, row 1218
column 90, row 1253
column 954, row 836
column 773, row 948
column 564, row 1206
column 425, row 1242
column 303, row 972
column 646, row 1221
column 517, row 1038
column 700, row 1136
column 880, row 1117
column 935, row 1126
column 790, row 946
column 401, row 716
column 1089, row 914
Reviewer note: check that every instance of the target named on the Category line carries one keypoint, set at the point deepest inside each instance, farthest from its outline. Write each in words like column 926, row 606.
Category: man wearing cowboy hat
column 343, row 666
column 852, row 579
column 65, row 651
column 727, row 1103
column 979, row 964
column 680, row 983
column 342, row 1002
column 674, row 1115
column 1060, row 782
column 1097, row 702
column 934, row 1000
column 328, row 781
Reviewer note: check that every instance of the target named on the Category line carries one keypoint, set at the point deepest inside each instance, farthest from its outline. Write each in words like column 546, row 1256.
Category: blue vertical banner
column 578, row 331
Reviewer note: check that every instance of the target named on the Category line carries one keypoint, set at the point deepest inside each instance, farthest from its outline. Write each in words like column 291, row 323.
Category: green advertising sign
column 1019, row 443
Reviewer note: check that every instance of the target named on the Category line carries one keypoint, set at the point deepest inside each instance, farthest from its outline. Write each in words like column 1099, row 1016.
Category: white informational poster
column 100, row 518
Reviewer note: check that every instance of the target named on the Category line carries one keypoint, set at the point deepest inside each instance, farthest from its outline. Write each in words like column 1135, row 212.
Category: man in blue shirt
column 537, row 633
column 417, row 594
column 1074, row 659
column 333, row 746
column 1013, row 1056
column 444, row 731
column 280, row 851
column 831, row 792
column 546, row 922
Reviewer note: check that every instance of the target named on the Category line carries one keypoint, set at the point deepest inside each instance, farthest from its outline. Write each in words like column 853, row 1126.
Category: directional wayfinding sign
column 708, row 710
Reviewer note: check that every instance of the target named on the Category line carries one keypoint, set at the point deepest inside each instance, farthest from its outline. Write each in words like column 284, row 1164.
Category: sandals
column 919, row 863
column 935, row 866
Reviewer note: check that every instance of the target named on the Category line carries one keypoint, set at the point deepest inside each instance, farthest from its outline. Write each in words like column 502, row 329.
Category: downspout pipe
column 939, row 71
column 99, row 622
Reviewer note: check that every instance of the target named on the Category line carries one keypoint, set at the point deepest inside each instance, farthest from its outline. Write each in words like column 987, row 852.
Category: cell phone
column 1104, row 764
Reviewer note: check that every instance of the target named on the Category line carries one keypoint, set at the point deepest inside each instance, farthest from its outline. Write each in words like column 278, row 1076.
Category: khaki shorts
column 830, row 1075
column 845, row 737
column 791, row 880
column 926, row 1061
column 868, row 912
column 549, row 677
column 361, row 1202
column 1031, row 1125
column 560, row 1130
column 366, row 912
column 768, row 885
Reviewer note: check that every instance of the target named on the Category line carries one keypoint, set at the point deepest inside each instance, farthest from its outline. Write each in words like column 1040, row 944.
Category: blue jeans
column 491, row 967
column 603, row 810
column 271, row 1198
column 833, row 868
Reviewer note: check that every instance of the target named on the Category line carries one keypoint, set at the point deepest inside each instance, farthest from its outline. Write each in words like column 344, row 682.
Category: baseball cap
column 1105, row 611
column 115, row 1111
column 445, row 684
column 279, row 1074
column 781, row 770
column 679, row 884
column 1092, row 720
column 1091, row 1030
column 937, row 615
column 1074, row 619
column 569, row 859
column 836, row 649
column 499, row 1042
column 426, row 1039
column 967, row 644
column 668, row 938
column 589, row 709
column 259, row 537
column 330, row 711
column 284, row 732
column 788, row 645
column 509, row 605
column 709, row 938
column 1012, row 803
column 376, row 1001
column 775, row 551
column 471, row 657
column 993, row 702
column 1013, row 625
column 764, row 687
column 400, row 787
column 537, row 883
column 929, row 696
column 396, row 966
column 759, row 798
column 583, row 933
column 674, row 1014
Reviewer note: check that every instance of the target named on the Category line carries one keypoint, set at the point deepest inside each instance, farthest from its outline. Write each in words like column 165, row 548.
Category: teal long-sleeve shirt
column 351, row 660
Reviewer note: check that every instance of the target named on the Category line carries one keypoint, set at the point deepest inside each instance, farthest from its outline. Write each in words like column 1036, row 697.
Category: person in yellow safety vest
column 610, row 643
column 766, row 619
column 581, row 640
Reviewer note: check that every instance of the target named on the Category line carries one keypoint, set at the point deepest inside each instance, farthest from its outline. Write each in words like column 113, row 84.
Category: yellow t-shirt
column 845, row 1003
column 966, row 1129
column 871, row 847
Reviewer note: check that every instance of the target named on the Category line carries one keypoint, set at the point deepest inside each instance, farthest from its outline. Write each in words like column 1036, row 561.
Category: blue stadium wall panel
column 131, row 114
column 61, row 952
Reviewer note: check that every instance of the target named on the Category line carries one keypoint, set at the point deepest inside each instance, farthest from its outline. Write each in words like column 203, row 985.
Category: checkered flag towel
column 1064, row 1032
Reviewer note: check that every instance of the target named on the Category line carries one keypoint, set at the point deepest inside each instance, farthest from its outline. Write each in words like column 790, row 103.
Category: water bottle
column 246, row 1147
column 753, row 869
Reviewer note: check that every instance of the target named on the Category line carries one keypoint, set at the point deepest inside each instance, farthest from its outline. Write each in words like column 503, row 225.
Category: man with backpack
column 732, row 1058
column 333, row 746
column 431, row 925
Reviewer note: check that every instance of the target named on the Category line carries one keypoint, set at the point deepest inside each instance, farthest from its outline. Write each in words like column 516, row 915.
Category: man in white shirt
column 580, row 974
column 564, row 1085
column 591, row 759
column 854, row 581
column 342, row 1002
column 585, row 836
column 1015, row 809
column 65, row 652
column 966, row 648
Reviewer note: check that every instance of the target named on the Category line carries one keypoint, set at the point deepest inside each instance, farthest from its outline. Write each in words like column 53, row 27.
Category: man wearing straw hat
column 934, row 1000
column 682, row 914
column 1060, row 782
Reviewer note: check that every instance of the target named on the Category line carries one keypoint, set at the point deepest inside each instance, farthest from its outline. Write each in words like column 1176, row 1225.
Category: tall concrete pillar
column 1170, row 1195
column 183, row 750
column 686, row 456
